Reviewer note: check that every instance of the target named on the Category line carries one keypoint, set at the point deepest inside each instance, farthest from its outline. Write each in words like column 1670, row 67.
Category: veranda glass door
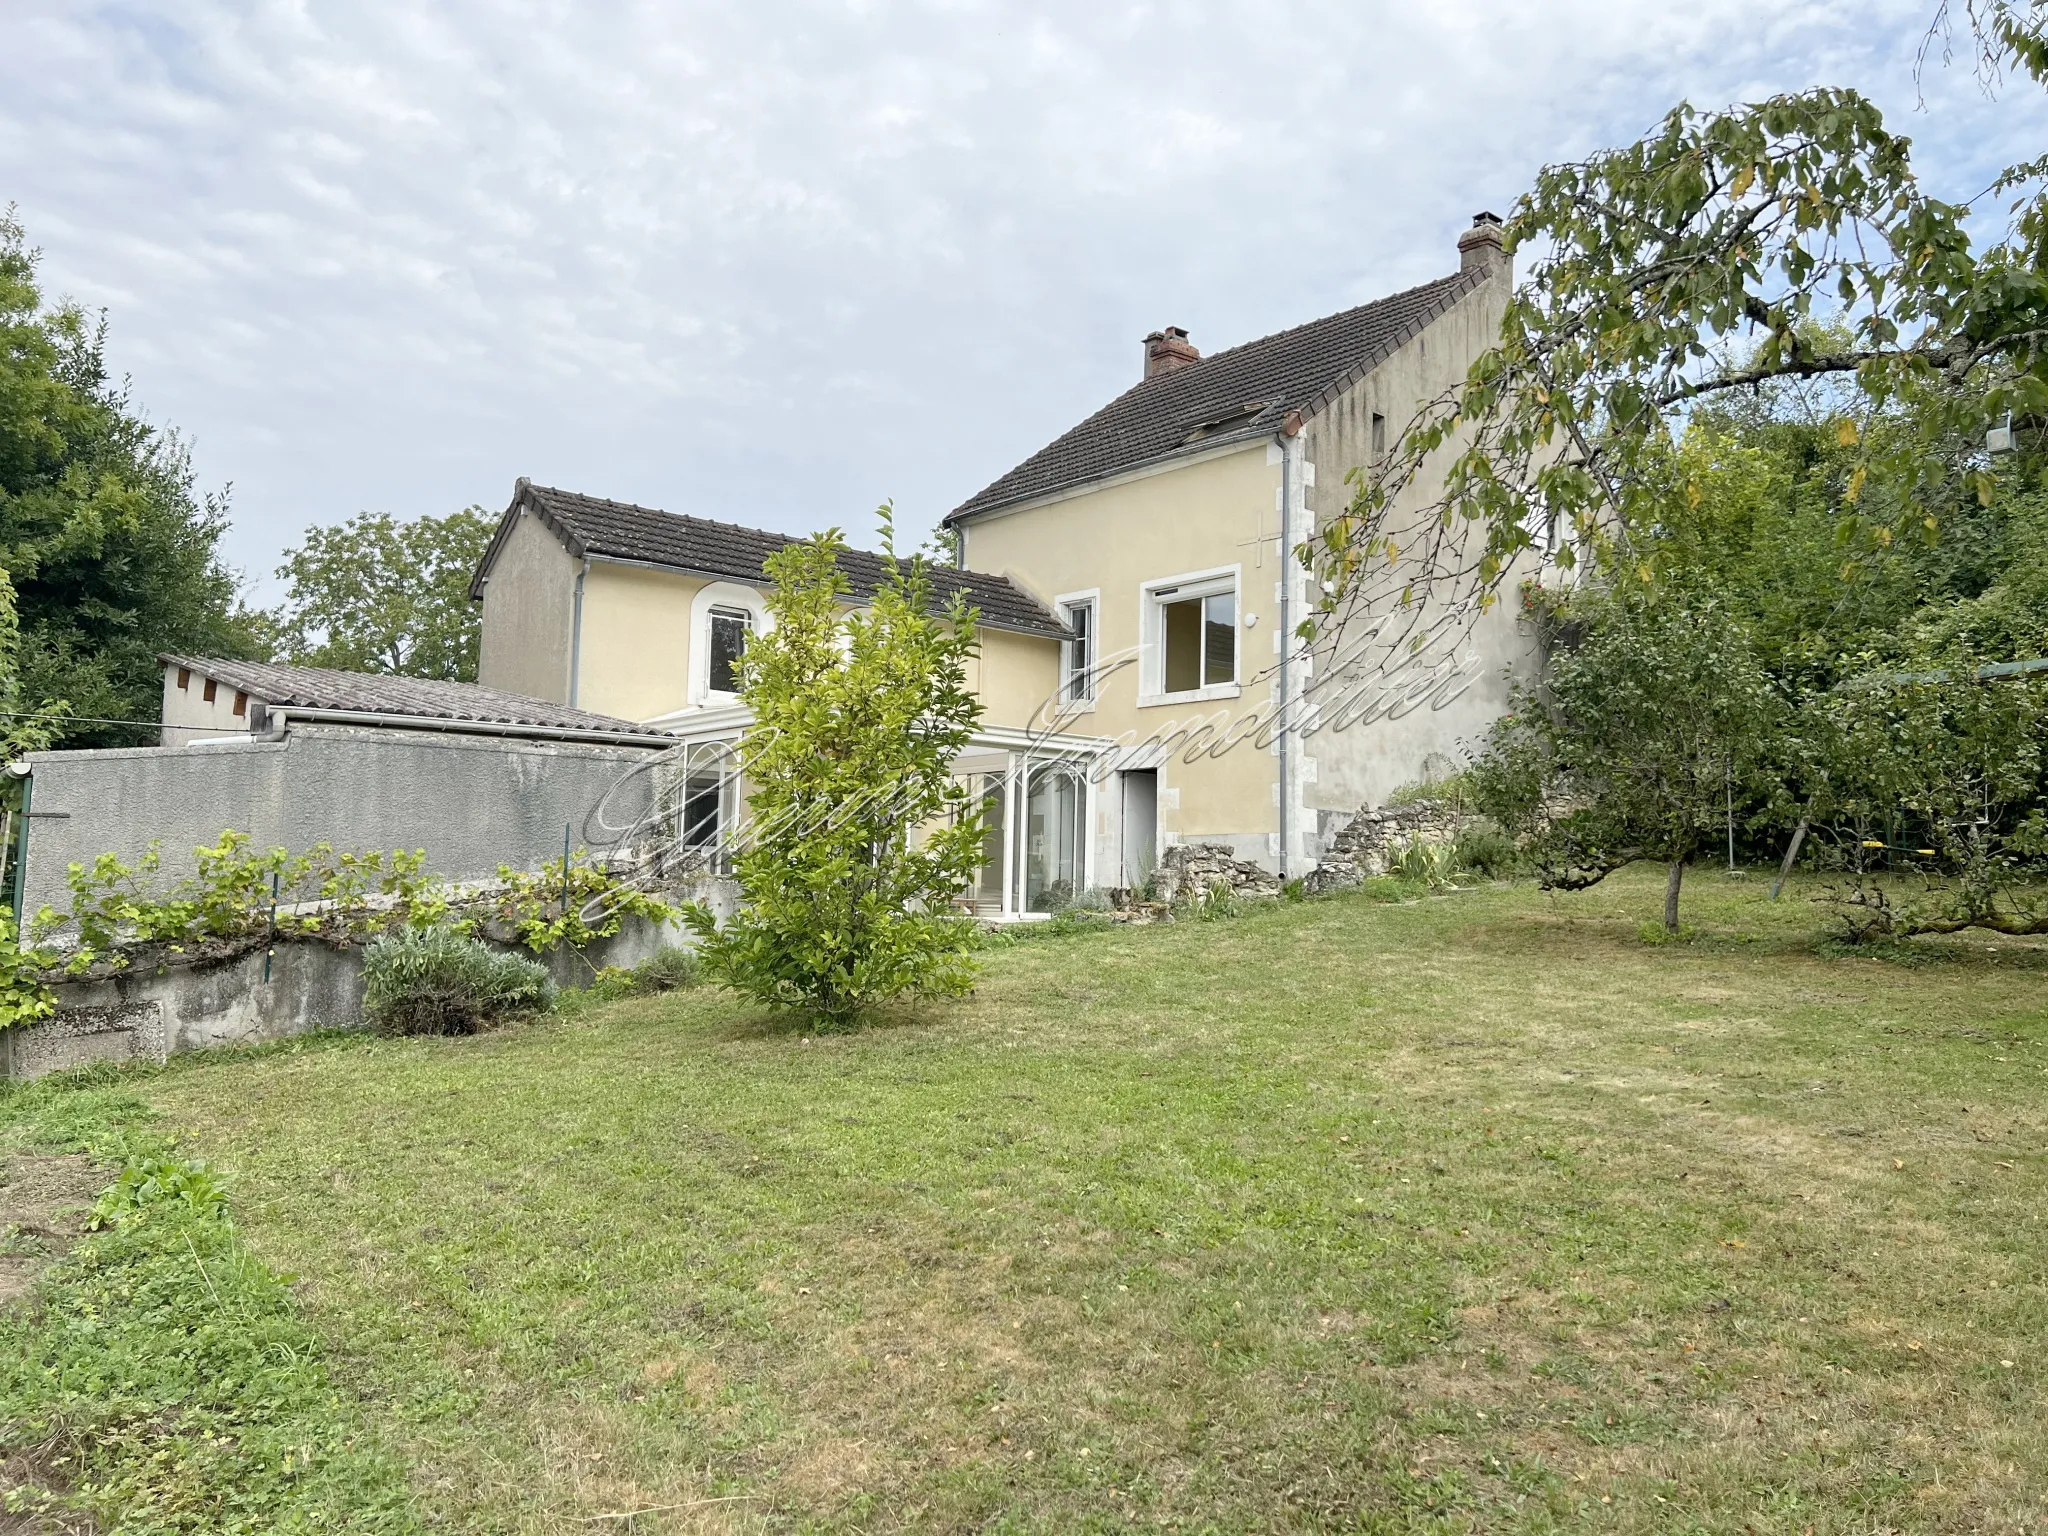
column 1054, row 818
column 988, row 885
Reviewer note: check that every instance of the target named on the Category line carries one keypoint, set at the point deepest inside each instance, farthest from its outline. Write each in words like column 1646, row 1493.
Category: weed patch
column 160, row 1378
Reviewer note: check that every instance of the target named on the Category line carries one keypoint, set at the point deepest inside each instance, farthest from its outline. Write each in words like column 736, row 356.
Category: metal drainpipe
column 576, row 634
column 1290, row 469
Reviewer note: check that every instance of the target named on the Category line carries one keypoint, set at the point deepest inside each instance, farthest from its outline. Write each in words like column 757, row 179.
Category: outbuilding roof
column 371, row 693
column 1238, row 395
column 593, row 526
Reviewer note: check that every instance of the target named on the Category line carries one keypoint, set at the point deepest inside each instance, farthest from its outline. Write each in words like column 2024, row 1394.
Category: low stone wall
column 1376, row 836
column 166, row 1003
column 187, row 1002
column 1188, row 871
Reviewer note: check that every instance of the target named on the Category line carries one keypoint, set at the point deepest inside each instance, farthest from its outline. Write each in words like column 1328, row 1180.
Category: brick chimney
column 1481, row 250
column 1167, row 350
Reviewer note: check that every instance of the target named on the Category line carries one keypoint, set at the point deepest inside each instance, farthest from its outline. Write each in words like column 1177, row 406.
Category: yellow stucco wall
column 1117, row 538
column 1014, row 675
column 635, row 657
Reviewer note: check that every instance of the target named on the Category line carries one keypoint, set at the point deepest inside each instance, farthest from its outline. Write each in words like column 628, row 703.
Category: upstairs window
column 1198, row 638
column 1078, row 682
column 729, row 629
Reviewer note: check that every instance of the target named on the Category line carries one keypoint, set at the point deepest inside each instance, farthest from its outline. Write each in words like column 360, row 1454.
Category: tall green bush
column 861, row 834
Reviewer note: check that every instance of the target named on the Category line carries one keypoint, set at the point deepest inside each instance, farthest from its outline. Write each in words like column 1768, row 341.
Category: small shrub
column 1487, row 851
column 158, row 1180
column 1452, row 789
column 1391, row 889
column 669, row 969
column 1092, row 898
column 1430, row 865
column 1295, row 890
column 1219, row 901
column 23, row 997
column 610, row 983
column 435, row 981
column 543, row 910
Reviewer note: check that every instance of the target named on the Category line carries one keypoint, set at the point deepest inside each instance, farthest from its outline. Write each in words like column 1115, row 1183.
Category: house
column 1137, row 591
column 1161, row 529
column 646, row 613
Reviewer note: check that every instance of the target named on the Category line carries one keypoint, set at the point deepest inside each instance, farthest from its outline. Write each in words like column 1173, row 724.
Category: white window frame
column 1063, row 605
column 1152, row 599
column 719, row 594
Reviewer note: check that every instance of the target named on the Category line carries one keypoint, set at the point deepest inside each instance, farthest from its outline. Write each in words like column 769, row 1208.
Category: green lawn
column 1473, row 1213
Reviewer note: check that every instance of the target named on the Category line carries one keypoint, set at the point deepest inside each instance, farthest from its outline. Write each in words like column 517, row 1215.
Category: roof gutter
column 279, row 714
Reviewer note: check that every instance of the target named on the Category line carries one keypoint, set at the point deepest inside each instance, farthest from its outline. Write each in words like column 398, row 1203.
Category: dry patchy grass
column 1468, row 1214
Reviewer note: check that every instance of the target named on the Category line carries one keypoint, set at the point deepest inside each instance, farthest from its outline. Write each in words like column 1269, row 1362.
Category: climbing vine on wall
column 239, row 892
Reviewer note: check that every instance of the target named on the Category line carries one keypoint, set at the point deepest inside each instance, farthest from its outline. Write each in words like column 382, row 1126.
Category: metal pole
column 1730, row 781
column 565, row 868
column 28, row 785
column 271, row 940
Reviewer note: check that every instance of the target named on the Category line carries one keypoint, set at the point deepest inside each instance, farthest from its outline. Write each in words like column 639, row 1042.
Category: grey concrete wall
column 186, row 1004
column 146, row 1013
column 529, row 612
column 472, row 802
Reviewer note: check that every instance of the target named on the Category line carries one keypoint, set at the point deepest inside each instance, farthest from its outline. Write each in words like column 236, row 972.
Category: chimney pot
column 1482, row 249
column 1167, row 350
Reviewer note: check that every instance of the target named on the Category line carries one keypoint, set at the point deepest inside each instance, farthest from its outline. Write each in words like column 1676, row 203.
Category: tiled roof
column 1234, row 396
column 590, row 525
column 373, row 693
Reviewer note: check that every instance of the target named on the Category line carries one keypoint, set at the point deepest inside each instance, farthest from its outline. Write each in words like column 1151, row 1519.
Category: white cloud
column 773, row 262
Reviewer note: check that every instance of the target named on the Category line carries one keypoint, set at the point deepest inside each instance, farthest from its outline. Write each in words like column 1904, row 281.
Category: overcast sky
column 773, row 262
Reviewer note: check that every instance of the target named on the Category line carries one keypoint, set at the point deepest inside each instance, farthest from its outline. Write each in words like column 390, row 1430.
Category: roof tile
column 591, row 525
column 1238, row 395
column 276, row 683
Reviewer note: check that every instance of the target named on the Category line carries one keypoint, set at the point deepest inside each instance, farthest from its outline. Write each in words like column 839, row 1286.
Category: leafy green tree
column 24, row 727
column 860, row 835
column 1745, row 392
column 1652, row 718
column 1698, row 263
column 111, row 555
column 377, row 595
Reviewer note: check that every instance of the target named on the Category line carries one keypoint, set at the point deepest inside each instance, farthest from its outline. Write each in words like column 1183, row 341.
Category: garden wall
column 471, row 802
column 184, row 1002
